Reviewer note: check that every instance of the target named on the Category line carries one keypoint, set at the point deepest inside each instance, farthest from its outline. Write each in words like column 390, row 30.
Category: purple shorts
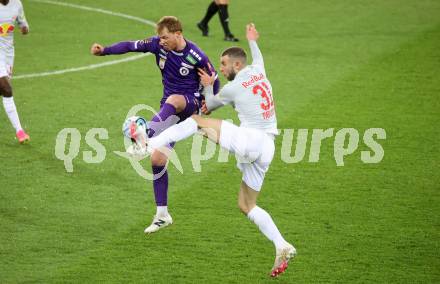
column 192, row 107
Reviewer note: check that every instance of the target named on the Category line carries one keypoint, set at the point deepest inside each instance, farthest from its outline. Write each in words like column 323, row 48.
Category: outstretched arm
column 117, row 48
column 252, row 36
column 123, row 47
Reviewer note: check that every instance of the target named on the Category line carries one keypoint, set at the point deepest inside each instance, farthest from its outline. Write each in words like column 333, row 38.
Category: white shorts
column 6, row 64
column 253, row 148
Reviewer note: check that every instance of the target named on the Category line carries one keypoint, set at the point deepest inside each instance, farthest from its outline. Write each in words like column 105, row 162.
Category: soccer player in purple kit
column 250, row 93
column 178, row 60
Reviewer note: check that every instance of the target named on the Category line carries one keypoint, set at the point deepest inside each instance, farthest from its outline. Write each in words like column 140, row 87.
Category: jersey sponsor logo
column 253, row 80
column 183, row 71
column 187, row 65
column 190, row 59
column 5, row 29
column 195, row 54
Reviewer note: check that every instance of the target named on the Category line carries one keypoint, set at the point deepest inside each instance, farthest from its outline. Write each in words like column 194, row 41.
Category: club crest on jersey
column 162, row 62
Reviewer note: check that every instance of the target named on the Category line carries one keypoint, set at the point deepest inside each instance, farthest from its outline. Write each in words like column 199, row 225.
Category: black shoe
column 231, row 37
column 203, row 28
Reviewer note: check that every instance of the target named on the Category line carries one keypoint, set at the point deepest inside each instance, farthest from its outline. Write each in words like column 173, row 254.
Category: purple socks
column 158, row 123
column 163, row 119
column 160, row 185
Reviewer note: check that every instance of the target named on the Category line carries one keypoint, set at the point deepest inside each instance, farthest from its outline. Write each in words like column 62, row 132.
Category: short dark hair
column 171, row 23
column 235, row 52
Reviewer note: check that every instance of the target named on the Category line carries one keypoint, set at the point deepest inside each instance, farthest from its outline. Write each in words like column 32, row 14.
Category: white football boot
column 282, row 258
column 159, row 223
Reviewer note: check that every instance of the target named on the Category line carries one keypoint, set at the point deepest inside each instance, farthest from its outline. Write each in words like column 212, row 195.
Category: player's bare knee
column 244, row 208
column 158, row 159
column 5, row 88
column 178, row 101
column 6, row 93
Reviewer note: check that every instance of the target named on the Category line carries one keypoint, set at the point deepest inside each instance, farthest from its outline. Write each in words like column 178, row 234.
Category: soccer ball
column 135, row 128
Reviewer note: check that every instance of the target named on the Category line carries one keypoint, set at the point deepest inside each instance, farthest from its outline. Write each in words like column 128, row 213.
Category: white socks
column 161, row 211
column 11, row 111
column 266, row 225
column 174, row 133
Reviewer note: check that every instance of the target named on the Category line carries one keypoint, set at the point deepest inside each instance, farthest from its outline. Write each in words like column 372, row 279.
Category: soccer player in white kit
column 11, row 14
column 250, row 93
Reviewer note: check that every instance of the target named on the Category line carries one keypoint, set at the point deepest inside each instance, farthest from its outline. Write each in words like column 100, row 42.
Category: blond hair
column 171, row 23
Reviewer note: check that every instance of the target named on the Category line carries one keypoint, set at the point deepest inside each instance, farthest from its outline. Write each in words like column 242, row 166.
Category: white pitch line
column 88, row 67
column 93, row 66
column 98, row 10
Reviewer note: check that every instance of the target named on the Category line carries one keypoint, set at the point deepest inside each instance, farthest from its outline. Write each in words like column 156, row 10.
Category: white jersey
column 10, row 15
column 250, row 93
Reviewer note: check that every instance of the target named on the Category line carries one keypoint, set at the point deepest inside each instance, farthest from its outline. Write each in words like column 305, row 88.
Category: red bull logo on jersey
column 253, row 80
column 5, row 29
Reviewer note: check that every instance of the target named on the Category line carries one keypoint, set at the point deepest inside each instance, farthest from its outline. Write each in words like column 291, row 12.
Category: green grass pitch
column 333, row 64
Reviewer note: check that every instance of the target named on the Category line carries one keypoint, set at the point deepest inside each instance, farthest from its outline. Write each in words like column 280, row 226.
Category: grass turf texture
column 332, row 64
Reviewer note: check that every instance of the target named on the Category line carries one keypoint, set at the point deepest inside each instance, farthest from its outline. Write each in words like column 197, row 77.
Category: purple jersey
column 179, row 69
